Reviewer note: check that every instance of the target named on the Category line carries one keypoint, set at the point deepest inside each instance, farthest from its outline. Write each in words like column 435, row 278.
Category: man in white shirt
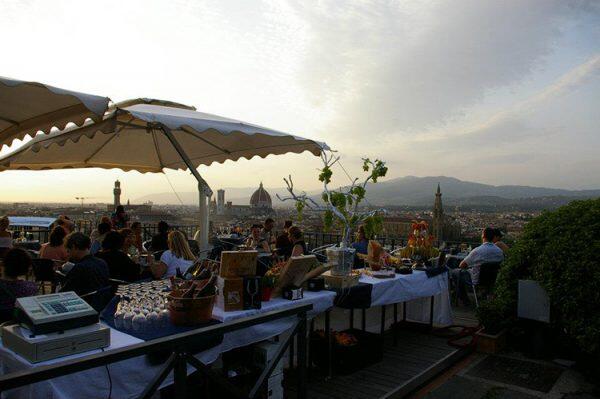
column 468, row 271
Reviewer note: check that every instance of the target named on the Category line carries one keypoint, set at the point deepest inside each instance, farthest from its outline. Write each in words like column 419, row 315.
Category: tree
column 342, row 206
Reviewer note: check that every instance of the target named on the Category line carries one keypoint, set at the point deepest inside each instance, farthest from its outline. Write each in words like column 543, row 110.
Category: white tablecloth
column 416, row 289
column 130, row 377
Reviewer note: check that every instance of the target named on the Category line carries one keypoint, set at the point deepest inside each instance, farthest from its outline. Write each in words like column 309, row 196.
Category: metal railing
column 151, row 229
column 180, row 358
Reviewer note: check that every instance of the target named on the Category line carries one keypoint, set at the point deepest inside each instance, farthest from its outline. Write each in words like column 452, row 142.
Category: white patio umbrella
column 147, row 137
column 29, row 107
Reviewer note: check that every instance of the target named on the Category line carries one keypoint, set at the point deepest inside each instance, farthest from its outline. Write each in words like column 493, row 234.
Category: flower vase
column 266, row 294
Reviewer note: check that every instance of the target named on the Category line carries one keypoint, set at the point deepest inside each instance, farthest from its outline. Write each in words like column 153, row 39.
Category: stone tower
column 117, row 193
column 220, row 202
column 438, row 216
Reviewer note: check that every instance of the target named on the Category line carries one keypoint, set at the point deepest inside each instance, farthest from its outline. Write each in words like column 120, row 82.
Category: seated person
column 468, row 271
column 88, row 273
column 120, row 266
column 178, row 256
column 160, row 241
column 267, row 231
column 103, row 229
column 95, row 233
column 297, row 239
column 16, row 265
column 54, row 249
column 136, row 227
column 256, row 240
column 283, row 243
column 6, row 240
column 498, row 240
column 129, row 242
column 361, row 245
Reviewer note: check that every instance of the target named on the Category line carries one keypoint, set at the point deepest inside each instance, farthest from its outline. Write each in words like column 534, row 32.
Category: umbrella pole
column 204, row 191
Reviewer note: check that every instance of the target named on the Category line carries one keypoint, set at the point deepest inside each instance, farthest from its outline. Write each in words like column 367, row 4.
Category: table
column 414, row 289
column 129, row 377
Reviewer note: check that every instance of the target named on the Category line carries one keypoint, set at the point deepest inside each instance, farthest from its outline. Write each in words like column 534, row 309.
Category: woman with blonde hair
column 5, row 236
column 178, row 256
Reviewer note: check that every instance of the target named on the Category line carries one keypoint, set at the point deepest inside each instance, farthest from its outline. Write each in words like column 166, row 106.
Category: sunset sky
column 498, row 92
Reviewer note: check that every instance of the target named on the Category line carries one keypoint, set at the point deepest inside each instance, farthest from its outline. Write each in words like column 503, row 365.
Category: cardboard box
column 265, row 351
column 238, row 263
column 340, row 282
column 275, row 387
column 231, row 294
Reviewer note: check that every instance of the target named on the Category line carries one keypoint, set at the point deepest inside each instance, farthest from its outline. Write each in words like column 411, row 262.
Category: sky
column 498, row 92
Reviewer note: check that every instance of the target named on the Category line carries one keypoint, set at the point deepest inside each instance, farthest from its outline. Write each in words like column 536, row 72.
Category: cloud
column 391, row 70
column 513, row 118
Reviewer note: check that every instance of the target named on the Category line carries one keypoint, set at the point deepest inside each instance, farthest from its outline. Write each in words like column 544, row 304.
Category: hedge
column 561, row 250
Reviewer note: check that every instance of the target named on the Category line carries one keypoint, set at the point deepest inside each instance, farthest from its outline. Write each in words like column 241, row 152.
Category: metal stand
column 204, row 191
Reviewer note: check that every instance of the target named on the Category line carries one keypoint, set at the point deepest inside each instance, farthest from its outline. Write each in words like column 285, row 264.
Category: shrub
column 560, row 250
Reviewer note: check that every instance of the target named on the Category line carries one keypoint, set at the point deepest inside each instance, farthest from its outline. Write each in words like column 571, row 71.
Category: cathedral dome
column 260, row 198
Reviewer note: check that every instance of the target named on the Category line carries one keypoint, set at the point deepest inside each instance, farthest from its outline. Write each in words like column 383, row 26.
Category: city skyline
column 457, row 90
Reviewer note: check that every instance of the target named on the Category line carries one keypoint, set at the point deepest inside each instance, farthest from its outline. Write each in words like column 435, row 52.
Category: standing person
column 120, row 219
column 283, row 243
column 267, row 231
column 6, row 241
column 160, row 241
column 256, row 240
column 498, row 241
column 177, row 256
column 103, row 229
column 17, row 263
column 138, row 242
column 88, row 273
column 297, row 239
column 55, row 249
column 120, row 266
column 468, row 270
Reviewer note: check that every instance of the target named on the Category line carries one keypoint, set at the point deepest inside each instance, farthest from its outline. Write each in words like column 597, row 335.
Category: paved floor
column 469, row 384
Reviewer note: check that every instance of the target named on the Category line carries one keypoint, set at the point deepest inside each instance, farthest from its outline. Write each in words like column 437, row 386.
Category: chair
column 194, row 247
column 488, row 272
column 100, row 298
column 157, row 255
column 43, row 272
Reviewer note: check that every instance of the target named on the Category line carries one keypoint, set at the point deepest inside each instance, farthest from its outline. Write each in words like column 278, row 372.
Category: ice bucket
column 340, row 259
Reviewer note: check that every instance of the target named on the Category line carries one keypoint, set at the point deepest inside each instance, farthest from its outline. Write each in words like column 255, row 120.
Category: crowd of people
column 290, row 242
column 115, row 252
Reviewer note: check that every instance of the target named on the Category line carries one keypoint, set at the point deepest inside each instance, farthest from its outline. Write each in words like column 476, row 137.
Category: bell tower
column 117, row 193
column 438, row 216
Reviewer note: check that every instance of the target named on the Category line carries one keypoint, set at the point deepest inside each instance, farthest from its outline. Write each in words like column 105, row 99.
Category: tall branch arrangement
column 342, row 206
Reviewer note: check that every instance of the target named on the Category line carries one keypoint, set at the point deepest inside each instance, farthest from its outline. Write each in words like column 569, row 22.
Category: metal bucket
column 341, row 260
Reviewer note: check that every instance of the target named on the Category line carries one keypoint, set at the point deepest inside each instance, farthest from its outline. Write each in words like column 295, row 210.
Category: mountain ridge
column 407, row 190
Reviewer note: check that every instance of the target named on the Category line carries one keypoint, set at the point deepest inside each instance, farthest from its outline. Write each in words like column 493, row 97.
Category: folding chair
column 488, row 272
column 43, row 272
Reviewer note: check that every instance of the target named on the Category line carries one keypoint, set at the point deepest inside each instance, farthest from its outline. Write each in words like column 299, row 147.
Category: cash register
column 54, row 312
column 54, row 325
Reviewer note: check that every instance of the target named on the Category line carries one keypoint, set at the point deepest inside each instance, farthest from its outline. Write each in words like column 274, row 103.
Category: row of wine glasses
column 142, row 305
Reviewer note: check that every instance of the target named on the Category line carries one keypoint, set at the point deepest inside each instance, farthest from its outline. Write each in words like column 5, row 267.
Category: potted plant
column 491, row 338
column 342, row 208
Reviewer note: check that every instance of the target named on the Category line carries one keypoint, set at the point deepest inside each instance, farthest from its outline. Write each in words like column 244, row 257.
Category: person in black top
column 296, row 237
column 89, row 273
column 283, row 243
column 120, row 266
column 160, row 240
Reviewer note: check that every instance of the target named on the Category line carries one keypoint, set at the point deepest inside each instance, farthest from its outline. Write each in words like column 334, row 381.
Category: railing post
column 180, row 374
column 302, row 356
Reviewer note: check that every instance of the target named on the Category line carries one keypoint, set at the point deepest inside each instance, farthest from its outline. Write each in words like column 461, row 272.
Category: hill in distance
column 415, row 191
